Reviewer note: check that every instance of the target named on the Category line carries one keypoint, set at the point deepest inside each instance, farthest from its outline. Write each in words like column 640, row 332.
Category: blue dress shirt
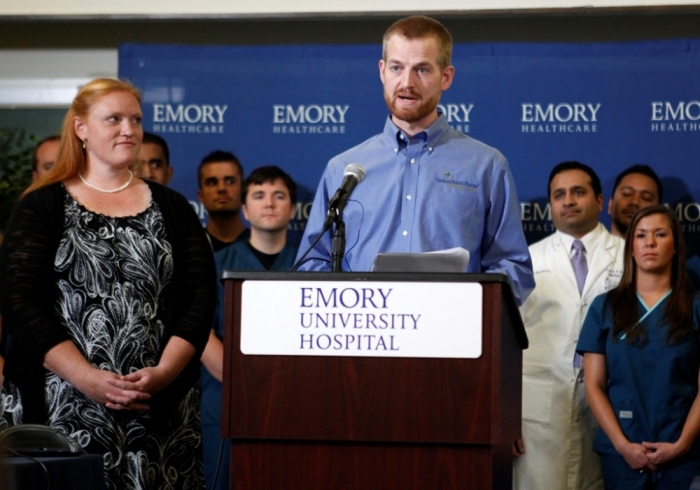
column 439, row 189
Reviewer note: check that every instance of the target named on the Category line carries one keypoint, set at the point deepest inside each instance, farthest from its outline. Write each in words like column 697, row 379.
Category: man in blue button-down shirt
column 428, row 187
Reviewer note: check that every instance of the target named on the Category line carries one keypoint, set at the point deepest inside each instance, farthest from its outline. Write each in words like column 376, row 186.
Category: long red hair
column 71, row 155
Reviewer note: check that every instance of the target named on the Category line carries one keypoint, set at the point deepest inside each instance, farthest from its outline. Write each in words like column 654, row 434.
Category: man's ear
column 448, row 75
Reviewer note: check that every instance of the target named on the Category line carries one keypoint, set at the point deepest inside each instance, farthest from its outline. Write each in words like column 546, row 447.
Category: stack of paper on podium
column 450, row 260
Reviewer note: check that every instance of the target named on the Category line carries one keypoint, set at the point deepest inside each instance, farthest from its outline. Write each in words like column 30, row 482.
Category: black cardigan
column 28, row 291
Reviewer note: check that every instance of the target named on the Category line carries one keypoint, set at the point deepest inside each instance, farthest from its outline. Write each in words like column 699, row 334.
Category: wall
column 275, row 8
column 70, row 49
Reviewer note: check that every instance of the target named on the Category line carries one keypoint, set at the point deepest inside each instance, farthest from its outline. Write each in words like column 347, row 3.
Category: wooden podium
column 366, row 423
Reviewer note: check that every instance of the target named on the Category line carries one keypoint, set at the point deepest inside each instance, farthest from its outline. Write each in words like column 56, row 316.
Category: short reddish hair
column 419, row 27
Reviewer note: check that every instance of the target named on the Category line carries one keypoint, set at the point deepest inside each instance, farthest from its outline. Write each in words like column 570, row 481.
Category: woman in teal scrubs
column 641, row 359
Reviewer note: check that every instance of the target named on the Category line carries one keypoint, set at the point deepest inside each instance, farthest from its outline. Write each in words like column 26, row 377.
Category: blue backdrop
column 608, row 105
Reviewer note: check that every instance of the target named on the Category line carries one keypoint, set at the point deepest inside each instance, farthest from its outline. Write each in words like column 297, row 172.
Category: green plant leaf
column 15, row 168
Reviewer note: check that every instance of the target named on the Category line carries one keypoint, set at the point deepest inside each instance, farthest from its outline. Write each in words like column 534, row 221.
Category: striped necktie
column 578, row 261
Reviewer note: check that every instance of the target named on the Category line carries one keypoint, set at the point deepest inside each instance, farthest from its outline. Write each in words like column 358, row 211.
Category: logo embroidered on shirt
column 448, row 178
column 613, row 278
column 625, row 414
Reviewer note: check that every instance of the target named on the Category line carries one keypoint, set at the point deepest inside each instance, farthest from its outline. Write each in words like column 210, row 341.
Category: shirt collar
column 590, row 240
column 431, row 135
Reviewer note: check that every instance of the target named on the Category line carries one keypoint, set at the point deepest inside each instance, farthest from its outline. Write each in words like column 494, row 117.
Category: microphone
column 353, row 175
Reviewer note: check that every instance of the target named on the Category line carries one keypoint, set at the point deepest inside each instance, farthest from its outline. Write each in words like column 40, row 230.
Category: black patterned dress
column 114, row 275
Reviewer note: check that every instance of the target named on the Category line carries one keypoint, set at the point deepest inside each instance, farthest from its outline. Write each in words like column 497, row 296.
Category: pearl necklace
column 108, row 191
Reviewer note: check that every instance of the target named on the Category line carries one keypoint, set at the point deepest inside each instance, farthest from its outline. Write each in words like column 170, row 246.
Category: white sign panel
column 362, row 319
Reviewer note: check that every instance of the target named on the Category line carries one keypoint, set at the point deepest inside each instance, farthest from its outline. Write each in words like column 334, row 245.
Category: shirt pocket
column 456, row 208
column 538, row 385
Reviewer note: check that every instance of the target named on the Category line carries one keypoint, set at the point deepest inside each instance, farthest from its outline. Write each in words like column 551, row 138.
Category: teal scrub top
column 651, row 386
column 236, row 257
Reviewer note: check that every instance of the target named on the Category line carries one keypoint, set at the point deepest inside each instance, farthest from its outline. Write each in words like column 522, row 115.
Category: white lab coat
column 558, row 426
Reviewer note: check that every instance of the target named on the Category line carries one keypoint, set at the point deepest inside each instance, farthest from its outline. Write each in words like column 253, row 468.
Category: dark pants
column 211, row 442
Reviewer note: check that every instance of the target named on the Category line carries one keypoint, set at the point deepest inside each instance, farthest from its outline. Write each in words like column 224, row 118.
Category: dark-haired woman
column 641, row 359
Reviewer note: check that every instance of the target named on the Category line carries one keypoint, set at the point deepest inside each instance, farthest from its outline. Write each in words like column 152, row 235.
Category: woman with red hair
column 108, row 288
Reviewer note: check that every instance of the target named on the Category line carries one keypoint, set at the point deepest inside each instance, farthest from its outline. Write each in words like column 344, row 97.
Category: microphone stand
column 334, row 216
column 338, row 243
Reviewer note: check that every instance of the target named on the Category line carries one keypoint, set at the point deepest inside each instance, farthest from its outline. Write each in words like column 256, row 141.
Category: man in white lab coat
column 574, row 265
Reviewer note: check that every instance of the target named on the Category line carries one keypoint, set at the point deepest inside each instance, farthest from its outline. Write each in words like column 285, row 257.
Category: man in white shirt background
column 572, row 266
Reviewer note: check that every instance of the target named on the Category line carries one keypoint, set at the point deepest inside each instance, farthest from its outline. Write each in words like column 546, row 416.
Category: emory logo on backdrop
column 309, row 119
column 536, row 217
column 675, row 116
column 188, row 118
column 457, row 115
column 688, row 214
column 578, row 117
column 301, row 216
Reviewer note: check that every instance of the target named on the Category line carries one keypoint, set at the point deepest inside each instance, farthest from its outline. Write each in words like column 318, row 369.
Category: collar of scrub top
column 649, row 310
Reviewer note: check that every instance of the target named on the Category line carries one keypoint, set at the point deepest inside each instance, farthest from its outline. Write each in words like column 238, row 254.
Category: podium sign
column 371, row 319
column 369, row 420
